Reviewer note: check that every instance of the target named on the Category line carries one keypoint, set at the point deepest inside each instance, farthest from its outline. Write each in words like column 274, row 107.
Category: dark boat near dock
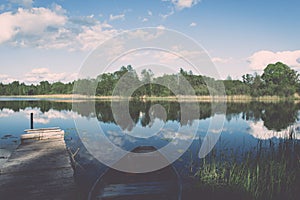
column 163, row 184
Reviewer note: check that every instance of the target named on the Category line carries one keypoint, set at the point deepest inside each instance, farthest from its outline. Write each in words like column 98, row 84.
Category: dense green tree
column 126, row 82
column 236, row 87
column 58, row 88
column 23, row 90
column 281, row 79
column 32, row 90
column 256, row 86
column 86, row 86
column 44, row 87
column 2, row 89
column 106, row 84
column 147, row 78
column 14, row 88
column 164, row 85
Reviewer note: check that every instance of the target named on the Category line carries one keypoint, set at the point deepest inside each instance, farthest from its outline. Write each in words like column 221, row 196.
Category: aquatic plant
column 268, row 171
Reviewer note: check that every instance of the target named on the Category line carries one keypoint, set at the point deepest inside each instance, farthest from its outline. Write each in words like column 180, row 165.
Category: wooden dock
column 39, row 168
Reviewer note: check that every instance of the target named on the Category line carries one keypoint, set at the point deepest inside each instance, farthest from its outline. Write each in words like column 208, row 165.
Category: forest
column 277, row 79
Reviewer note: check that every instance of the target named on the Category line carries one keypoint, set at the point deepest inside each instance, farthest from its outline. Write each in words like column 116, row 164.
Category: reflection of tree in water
column 279, row 116
column 103, row 112
column 134, row 107
column 276, row 116
column 250, row 111
column 172, row 112
column 85, row 109
column 205, row 110
column 254, row 111
column 146, row 117
column 44, row 106
column 143, row 112
column 138, row 111
column 170, row 108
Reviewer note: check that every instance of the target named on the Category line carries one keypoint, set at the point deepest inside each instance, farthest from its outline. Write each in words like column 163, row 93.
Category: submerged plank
column 38, row 169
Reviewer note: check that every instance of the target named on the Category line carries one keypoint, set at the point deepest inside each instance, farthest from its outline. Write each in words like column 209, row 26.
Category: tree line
column 44, row 87
column 277, row 79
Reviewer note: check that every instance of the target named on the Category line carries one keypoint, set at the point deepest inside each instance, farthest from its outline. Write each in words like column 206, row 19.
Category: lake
column 246, row 126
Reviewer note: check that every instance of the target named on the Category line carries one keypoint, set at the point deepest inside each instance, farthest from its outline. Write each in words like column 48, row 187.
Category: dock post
column 31, row 120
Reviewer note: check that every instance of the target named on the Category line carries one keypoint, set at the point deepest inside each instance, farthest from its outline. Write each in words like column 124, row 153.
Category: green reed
column 268, row 171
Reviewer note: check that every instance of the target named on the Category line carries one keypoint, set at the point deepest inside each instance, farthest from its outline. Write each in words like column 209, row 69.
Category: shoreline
column 231, row 98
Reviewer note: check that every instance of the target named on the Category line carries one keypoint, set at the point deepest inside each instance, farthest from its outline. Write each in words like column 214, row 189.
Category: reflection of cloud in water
column 115, row 137
column 172, row 135
column 44, row 118
column 39, row 116
column 6, row 113
column 116, row 140
column 183, row 133
column 114, row 133
column 216, row 131
column 119, row 137
column 170, row 131
column 258, row 130
column 146, row 131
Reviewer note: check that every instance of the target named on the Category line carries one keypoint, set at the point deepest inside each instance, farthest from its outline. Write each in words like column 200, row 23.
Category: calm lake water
column 246, row 126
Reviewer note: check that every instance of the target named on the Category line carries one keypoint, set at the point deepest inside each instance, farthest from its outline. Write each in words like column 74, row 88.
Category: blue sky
column 50, row 39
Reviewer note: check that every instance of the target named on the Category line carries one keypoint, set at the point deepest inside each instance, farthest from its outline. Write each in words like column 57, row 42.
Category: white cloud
column 145, row 19
column 61, row 38
column 52, row 29
column 4, row 78
column 31, row 22
column 178, row 5
column 116, row 17
column 259, row 60
column 90, row 37
column 181, row 4
column 193, row 24
column 37, row 75
column 38, row 71
column 149, row 13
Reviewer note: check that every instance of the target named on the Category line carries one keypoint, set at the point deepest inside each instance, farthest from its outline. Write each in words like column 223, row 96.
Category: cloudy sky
column 41, row 39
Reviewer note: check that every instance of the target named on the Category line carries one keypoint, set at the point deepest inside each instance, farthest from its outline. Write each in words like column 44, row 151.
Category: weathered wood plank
column 38, row 169
column 41, row 129
column 41, row 144
column 43, row 135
